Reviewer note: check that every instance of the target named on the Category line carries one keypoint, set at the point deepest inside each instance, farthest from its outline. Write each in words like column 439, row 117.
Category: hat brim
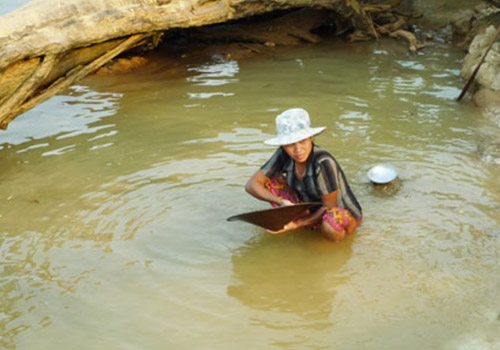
column 284, row 140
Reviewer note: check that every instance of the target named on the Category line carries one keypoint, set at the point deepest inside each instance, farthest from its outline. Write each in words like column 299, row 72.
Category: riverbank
column 475, row 31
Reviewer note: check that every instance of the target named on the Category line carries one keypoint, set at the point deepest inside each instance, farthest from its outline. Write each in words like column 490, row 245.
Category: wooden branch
column 64, row 82
column 382, row 7
column 26, row 89
column 473, row 76
column 253, row 49
column 413, row 44
column 372, row 26
column 359, row 35
column 387, row 29
column 13, row 77
column 377, row 8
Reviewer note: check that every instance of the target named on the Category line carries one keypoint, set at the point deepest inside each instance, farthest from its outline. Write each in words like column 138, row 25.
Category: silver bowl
column 382, row 173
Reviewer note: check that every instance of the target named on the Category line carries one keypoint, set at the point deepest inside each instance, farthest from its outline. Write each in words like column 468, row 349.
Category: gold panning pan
column 275, row 218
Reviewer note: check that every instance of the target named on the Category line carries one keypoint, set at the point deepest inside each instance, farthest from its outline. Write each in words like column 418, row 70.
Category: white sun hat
column 293, row 125
column 382, row 173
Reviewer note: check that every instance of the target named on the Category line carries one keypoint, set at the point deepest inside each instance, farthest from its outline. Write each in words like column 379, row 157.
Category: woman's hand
column 292, row 225
column 284, row 202
column 256, row 186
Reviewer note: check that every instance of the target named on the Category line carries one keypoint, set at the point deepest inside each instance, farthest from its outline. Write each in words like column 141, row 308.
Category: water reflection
column 214, row 74
column 39, row 207
column 220, row 72
column 62, row 117
column 292, row 279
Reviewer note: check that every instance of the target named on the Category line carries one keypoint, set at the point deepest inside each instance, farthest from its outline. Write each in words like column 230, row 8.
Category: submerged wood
column 41, row 55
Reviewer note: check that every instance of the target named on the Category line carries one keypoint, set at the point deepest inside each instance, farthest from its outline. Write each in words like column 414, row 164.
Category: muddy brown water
column 114, row 196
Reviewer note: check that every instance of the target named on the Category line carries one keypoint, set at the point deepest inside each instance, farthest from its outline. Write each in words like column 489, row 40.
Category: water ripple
column 63, row 116
column 215, row 74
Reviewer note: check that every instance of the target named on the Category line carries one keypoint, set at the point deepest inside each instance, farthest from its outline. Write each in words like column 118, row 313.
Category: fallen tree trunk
column 43, row 55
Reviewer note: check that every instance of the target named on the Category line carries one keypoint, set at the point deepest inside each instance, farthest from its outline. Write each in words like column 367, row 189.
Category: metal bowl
column 382, row 173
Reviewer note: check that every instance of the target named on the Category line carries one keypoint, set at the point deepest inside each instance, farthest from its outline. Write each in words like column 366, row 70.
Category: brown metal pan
column 275, row 218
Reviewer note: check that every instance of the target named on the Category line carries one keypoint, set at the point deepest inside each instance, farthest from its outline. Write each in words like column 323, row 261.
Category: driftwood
column 413, row 44
column 41, row 55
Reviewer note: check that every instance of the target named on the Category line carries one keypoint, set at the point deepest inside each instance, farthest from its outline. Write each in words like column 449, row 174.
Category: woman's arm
column 329, row 201
column 256, row 187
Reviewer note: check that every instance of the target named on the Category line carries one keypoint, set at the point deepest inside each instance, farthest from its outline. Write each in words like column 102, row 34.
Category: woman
column 300, row 171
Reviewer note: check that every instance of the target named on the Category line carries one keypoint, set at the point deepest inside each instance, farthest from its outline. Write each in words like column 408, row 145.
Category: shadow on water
column 292, row 279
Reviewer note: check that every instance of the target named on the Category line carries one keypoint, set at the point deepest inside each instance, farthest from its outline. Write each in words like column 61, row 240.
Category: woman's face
column 299, row 151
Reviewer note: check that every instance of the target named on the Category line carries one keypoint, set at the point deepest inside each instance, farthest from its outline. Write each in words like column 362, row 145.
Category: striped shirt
column 323, row 176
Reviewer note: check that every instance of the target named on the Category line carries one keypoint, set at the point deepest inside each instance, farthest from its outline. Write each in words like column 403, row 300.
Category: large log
column 41, row 55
